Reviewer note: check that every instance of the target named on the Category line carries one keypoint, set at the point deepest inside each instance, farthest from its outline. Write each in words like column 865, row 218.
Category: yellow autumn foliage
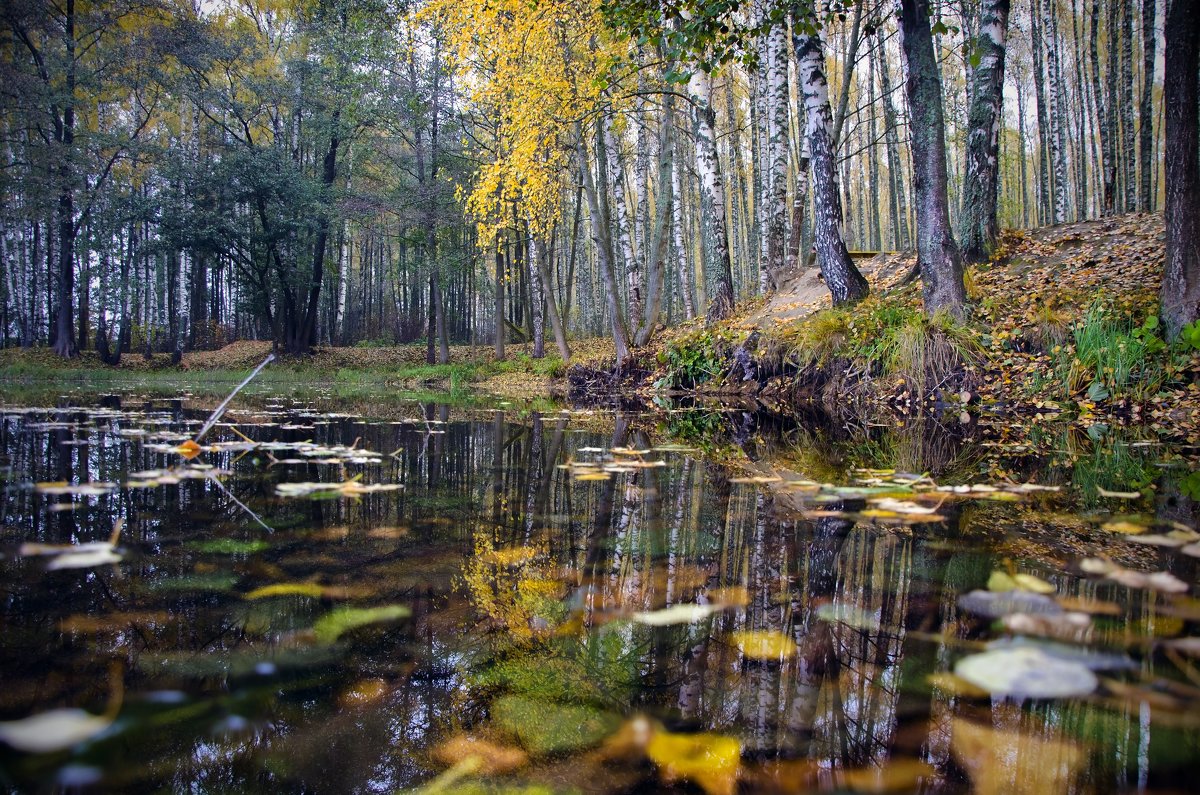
column 533, row 70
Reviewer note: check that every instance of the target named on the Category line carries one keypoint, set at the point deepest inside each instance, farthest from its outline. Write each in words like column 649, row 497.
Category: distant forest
column 180, row 174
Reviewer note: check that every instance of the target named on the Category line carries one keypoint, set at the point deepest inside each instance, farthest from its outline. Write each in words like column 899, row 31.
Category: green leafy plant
column 1189, row 336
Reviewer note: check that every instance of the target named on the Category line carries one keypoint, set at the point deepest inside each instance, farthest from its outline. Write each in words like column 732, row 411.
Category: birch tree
column 977, row 217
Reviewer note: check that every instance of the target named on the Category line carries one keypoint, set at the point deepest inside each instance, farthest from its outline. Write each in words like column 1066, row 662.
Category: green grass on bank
column 37, row 373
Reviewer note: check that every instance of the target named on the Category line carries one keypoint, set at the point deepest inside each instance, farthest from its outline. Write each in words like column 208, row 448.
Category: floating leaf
column 53, row 731
column 61, row 487
column 676, row 614
column 1003, row 581
column 708, row 760
column 1122, row 495
column 1026, row 672
column 310, row 589
column 188, row 449
column 765, row 645
column 1002, row 762
column 1155, row 581
column 84, row 560
column 997, row 604
column 334, row 624
column 1070, row 626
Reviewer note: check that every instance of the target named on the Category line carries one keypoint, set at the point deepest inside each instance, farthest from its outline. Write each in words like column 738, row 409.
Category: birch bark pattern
column 709, row 168
column 977, row 217
column 845, row 283
column 937, row 254
column 602, row 242
column 774, row 211
column 1181, row 276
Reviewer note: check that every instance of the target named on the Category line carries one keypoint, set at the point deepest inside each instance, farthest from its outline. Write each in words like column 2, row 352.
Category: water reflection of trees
column 565, row 563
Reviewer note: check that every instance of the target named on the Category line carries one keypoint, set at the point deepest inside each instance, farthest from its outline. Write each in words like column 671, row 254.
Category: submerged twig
column 216, row 415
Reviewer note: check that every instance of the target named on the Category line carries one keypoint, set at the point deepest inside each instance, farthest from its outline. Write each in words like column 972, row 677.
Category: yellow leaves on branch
column 533, row 70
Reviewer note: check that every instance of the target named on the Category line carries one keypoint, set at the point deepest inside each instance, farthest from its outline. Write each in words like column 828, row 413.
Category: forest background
column 180, row 175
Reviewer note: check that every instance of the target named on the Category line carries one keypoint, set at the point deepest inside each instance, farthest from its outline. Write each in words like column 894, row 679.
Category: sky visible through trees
column 178, row 175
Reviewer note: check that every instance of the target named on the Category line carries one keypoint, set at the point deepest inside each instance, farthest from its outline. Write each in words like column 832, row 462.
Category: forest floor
column 1063, row 327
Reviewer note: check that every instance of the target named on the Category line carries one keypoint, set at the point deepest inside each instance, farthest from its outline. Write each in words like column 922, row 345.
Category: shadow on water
column 694, row 598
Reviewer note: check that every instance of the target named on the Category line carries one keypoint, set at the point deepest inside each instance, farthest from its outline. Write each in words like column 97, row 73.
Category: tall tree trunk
column 535, row 297
column 897, row 194
column 1128, row 133
column 657, row 243
column 556, row 320
column 64, row 342
column 1146, row 121
column 498, row 306
column 1107, row 169
column 937, row 254
column 977, row 216
column 622, row 220
column 1045, row 173
column 709, row 167
column 1058, row 154
column 686, row 290
column 774, row 212
column 602, row 242
column 1111, row 121
column 845, row 283
column 1181, row 276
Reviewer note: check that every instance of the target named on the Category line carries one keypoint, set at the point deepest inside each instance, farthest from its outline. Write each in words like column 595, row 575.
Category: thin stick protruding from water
column 216, row 415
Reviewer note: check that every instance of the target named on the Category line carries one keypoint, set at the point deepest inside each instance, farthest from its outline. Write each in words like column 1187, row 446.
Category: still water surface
column 502, row 601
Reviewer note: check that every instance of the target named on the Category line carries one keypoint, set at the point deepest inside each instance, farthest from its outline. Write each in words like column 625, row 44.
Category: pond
column 388, row 596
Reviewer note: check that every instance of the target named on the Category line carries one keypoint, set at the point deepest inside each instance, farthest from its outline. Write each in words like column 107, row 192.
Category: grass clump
column 891, row 337
column 1111, row 354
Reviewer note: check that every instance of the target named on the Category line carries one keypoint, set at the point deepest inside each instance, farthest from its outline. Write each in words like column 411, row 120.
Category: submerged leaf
column 53, row 730
column 545, row 727
column 310, row 589
column 1026, row 672
column 334, row 624
column 708, row 760
column 494, row 759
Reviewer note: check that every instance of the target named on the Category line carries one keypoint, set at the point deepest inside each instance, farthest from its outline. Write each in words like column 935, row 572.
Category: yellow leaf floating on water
column 709, row 761
column 188, row 449
column 1003, row 581
column 310, row 589
column 765, row 645
column 1006, row 762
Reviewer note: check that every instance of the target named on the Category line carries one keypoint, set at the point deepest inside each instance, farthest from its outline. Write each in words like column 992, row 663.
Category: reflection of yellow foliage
column 511, row 585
